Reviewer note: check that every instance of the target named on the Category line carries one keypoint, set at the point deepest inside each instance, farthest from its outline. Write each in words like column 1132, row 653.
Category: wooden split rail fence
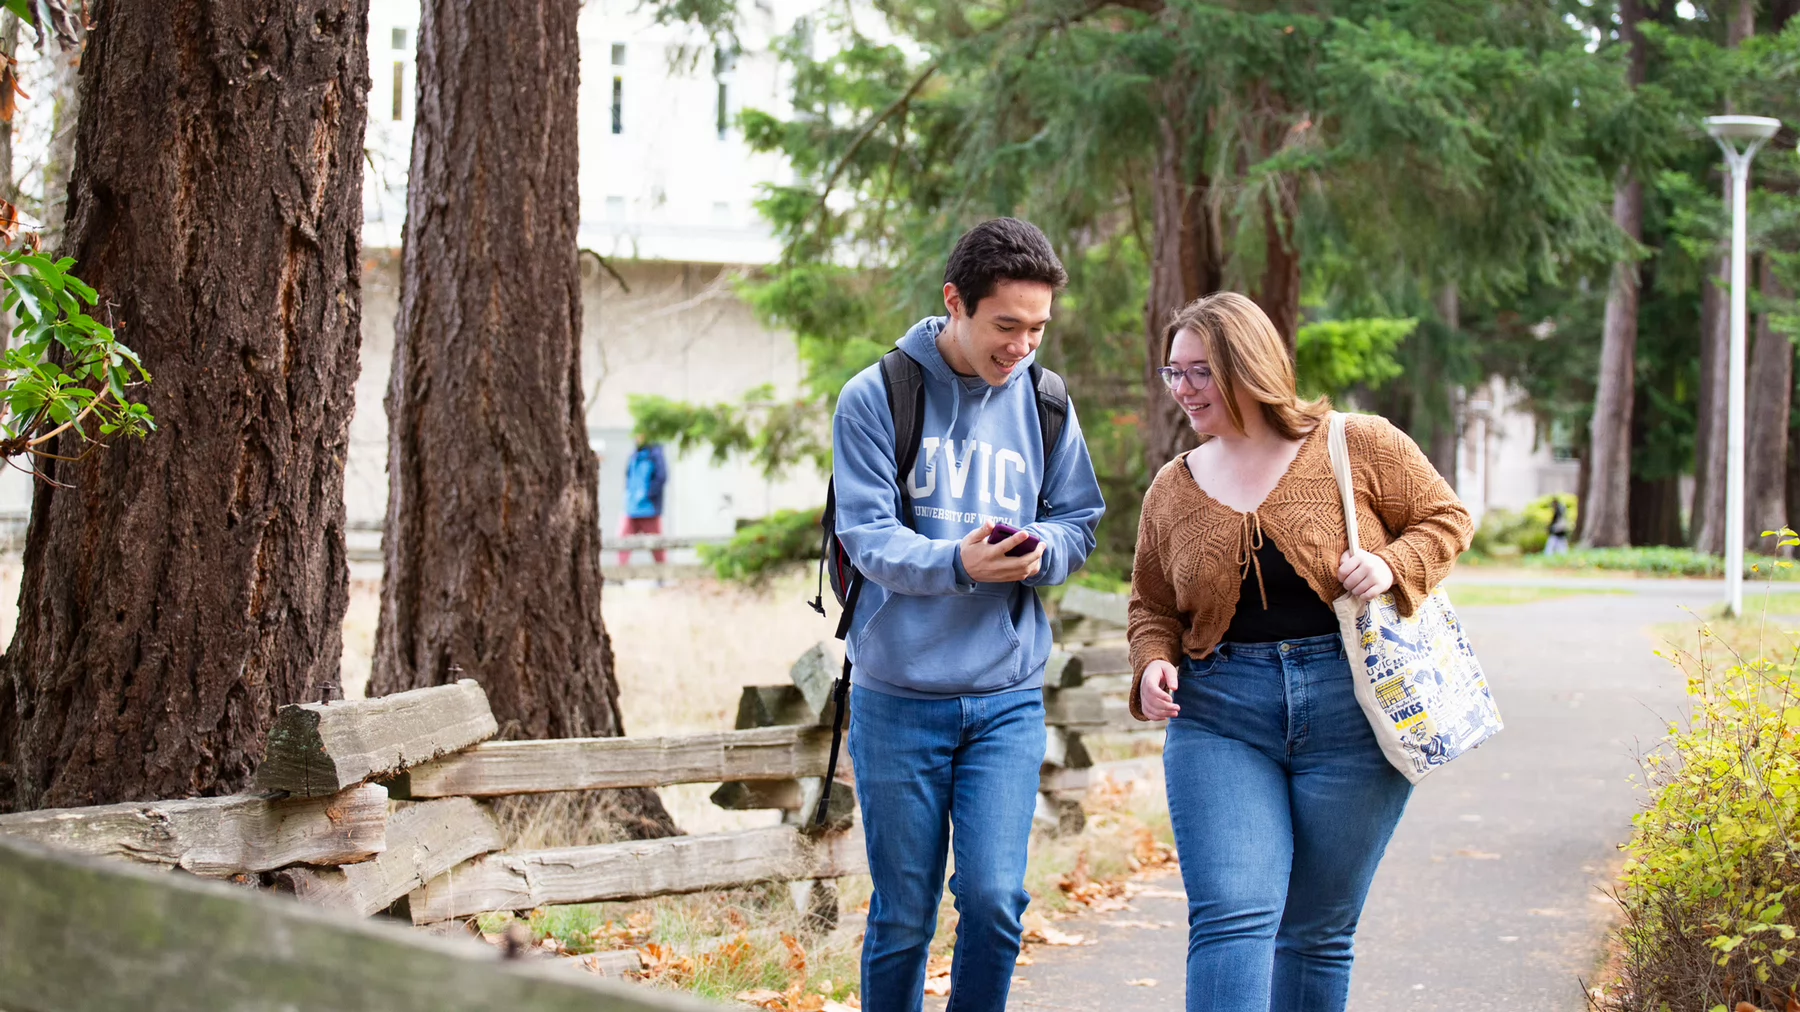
column 379, row 805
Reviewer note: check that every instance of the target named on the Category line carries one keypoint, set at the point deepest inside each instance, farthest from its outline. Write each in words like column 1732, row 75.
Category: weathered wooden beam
column 775, row 706
column 757, row 795
column 424, row 840
column 1063, row 670
column 1110, row 685
column 1063, row 748
column 321, row 748
column 1073, row 708
column 1097, row 605
column 81, row 934
column 1105, row 659
column 814, row 674
column 218, row 837
column 1118, row 718
column 1060, row 781
column 496, row 768
column 617, row 871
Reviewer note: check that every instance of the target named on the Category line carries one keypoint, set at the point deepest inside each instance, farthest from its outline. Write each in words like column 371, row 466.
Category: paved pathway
column 1489, row 896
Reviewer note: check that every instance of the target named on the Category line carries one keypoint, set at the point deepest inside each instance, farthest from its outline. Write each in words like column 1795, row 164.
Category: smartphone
column 1004, row 531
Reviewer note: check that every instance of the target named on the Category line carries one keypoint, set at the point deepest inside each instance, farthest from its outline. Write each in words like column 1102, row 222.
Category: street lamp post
column 1753, row 132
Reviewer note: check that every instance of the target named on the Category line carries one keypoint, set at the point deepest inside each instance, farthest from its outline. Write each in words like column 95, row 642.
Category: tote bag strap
column 1340, row 466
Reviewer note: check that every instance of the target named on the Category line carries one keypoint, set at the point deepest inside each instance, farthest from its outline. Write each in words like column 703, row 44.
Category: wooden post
column 218, row 837
column 321, row 748
column 80, row 934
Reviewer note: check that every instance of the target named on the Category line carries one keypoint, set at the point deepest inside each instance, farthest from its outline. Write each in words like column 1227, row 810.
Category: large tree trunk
column 1606, row 515
column 1606, row 520
column 1708, row 524
column 1186, row 263
column 177, row 590
column 492, row 541
column 65, row 123
column 1279, row 293
column 1441, row 443
column 1769, row 402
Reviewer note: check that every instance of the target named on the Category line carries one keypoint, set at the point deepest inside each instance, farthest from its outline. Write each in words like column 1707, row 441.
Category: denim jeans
column 1282, row 804
column 924, row 766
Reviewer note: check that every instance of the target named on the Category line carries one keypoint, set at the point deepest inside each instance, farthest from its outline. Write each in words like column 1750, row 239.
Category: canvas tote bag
column 1416, row 678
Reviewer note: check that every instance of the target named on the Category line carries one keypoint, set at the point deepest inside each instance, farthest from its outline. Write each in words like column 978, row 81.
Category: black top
column 1294, row 611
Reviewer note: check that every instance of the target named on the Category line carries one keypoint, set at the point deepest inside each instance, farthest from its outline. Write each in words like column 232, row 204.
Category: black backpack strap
column 1053, row 416
column 841, row 696
column 904, row 379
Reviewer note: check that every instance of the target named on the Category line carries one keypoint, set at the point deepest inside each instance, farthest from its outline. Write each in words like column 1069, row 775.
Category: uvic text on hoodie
column 922, row 629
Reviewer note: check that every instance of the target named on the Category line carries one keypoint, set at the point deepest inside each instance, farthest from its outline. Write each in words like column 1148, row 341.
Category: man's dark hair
column 1003, row 249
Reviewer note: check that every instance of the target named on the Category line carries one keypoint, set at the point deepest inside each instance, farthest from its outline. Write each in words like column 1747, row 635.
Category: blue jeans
column 922, row 767
column 1282, row 805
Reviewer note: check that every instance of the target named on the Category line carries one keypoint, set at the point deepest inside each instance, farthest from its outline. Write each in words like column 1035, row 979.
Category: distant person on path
column 1281, row 800
column 1558, row 541
column 948, row 639
column 646, row 473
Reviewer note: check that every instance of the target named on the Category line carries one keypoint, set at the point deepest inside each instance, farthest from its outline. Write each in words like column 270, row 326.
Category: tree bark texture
column 1606, row 515
column 178, row 589
column 65, row 125
column 1769, row 400
column 1606, row 522
column 492, row 543
column 1441, row 441
column 1279, row 293
column 1187, row 261
column 1656, row 511
column 1707, row 524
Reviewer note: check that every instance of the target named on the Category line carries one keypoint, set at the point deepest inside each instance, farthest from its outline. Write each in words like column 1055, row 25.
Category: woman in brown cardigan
column 1281, row 800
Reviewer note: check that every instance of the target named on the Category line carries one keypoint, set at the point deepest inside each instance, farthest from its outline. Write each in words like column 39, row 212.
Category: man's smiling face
column 1007, row 325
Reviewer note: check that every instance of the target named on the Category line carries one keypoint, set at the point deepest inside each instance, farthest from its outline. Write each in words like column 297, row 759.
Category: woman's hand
column 1156, row 699
column 1365, row 575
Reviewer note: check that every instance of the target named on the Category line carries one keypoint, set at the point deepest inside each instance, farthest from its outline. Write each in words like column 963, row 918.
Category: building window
column 399, row 38
column 615, row 209
column 724, row 62
column 618, row 105
column 399, row 89
column 721, row 213
column 723, row 123
column 618, row 54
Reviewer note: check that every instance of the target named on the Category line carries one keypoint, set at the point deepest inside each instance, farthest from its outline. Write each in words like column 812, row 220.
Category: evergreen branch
column 868, row 130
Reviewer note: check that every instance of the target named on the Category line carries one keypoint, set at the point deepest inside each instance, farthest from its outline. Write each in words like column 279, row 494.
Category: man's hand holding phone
column 988, row 562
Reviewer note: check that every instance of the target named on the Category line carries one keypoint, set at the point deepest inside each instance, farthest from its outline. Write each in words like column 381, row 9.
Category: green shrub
column 1713, row 860
column 1504, row 533
column 764, row 548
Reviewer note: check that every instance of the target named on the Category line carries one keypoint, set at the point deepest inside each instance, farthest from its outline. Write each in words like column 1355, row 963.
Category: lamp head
column 1742, row 128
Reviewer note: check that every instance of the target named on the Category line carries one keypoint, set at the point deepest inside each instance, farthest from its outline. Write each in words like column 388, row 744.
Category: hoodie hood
column 921, row 343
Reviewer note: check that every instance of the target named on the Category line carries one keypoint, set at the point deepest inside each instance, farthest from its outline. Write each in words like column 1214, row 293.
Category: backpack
column 904, row 380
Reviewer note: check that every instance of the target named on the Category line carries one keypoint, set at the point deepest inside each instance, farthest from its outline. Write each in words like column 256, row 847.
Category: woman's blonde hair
column 1247, row 353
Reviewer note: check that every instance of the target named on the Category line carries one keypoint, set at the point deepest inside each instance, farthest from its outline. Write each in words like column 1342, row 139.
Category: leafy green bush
column 1658, row 560
column 1505, row 533
column 762, row 549
column 1715, row 857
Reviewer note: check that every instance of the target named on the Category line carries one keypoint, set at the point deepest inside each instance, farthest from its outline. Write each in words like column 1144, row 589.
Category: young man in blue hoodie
column 948, row 642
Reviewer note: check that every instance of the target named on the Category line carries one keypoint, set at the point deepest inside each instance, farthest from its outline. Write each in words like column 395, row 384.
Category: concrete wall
column 680, row 331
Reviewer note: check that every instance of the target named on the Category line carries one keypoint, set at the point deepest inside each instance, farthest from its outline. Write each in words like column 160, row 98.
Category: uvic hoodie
column 922, row 629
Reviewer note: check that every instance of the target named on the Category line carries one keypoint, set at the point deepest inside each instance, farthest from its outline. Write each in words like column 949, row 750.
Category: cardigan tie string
column 1250, row 541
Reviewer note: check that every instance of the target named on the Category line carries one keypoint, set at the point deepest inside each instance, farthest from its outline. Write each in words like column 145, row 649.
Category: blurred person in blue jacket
column 646, row 474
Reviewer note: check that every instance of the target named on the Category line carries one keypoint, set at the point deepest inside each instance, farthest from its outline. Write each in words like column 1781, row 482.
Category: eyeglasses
column 1199, row 377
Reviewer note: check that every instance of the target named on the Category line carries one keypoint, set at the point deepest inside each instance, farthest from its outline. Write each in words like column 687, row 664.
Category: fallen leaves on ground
column 1038, row 930
column 937, row 976
column 1141, row 982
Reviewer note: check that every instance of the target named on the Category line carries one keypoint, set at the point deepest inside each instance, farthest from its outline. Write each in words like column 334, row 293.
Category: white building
column 667, row 198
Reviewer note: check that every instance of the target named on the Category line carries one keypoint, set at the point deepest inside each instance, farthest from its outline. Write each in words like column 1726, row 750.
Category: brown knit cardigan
column 1191, row 547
